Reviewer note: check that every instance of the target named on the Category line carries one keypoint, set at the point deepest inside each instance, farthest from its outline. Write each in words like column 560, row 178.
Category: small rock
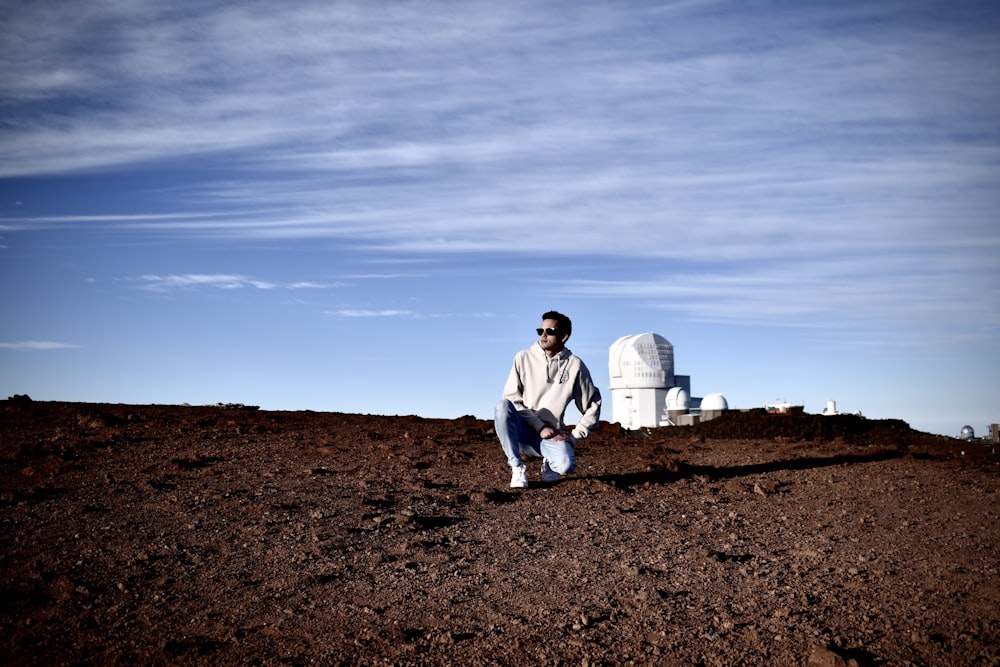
column 824, row 657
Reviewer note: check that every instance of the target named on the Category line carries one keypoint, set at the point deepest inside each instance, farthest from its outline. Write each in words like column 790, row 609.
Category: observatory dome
column 712, row 406
column 714, row 403
column 641, row 361
column 968, row 433
column 678, row 399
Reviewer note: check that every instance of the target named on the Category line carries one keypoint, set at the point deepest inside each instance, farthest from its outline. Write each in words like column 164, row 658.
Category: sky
column 365, row 207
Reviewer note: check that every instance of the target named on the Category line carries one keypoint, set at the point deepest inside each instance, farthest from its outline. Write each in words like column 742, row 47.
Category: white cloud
column 696, row 132
column 902, row 292
column 224, row 281
column 31, row 345
column 194, row 280
column 468, row 130
column 350, row 312
column 362, row 313
column 312, row 285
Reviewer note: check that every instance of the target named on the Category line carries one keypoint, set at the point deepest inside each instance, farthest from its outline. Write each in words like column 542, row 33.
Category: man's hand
column 549, row 433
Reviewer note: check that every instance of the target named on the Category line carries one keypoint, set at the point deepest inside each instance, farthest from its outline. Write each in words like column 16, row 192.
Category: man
column 544, row 380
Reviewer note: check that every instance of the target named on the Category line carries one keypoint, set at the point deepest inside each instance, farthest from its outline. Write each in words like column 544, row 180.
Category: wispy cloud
column 312, row 285
column 181, row 220
column 223, row 281
column 699, row 132
column 350, row 312
column 158, row 283
column 33, row 345
column 902, row 292
column 389, row 312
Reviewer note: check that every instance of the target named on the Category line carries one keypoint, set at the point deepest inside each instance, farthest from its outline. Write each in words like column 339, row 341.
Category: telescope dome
column 641, row 361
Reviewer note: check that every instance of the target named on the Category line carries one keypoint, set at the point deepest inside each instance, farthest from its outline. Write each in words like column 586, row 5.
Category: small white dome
column 678, row 399
column 714, row 402
column 967, row 433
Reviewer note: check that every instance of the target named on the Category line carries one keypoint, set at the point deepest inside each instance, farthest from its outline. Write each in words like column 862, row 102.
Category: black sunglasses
column 552, row 331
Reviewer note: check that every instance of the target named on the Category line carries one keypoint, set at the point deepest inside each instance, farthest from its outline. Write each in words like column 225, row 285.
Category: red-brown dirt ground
column 224, row 535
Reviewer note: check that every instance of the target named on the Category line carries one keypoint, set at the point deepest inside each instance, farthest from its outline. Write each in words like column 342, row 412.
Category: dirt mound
column 227, row 535
column 856, row 430
column 851, row 429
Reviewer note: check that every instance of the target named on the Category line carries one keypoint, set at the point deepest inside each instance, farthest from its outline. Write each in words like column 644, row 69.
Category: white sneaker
column 519, row 478
column 548, row 474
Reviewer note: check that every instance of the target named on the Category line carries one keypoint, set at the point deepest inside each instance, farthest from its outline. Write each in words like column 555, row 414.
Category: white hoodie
column 541, row 388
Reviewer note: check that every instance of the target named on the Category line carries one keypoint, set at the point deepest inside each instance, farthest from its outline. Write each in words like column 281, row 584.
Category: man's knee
column 563, row 464
column 564, row 467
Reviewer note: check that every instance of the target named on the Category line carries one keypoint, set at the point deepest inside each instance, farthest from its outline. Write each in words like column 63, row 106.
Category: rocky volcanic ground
column 163, row 535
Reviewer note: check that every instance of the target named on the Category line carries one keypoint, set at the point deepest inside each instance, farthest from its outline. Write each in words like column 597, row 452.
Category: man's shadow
column 627, row 480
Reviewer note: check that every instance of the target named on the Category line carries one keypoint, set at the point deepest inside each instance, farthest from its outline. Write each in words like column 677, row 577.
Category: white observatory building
column 645, row 391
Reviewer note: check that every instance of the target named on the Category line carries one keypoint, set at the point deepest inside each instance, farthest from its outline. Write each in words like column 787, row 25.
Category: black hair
column 565, row 325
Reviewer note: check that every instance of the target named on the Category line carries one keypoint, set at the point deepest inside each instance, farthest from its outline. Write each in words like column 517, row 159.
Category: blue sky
column 366, row 207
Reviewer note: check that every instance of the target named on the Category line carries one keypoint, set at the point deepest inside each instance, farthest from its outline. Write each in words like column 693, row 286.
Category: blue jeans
column 518, row 438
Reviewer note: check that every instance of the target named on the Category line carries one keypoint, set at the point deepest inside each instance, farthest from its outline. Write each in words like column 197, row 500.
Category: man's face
column 552, row 343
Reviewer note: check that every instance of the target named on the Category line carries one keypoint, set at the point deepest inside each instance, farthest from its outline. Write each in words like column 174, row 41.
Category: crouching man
column 544, row 380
